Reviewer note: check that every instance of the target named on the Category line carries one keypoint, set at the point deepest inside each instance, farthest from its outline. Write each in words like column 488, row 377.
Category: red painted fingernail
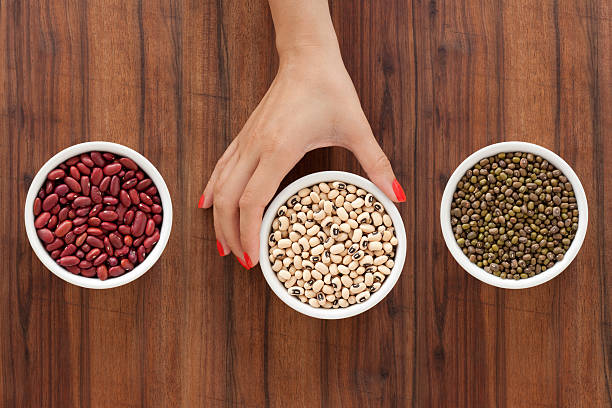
column 242, row 263
column 201, row 202
column 399, row 191
column 247, row 259
column 220, row 248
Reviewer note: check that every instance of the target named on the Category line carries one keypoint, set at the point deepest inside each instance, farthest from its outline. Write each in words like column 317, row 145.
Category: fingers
column 206, row 199
column 257, row 194
column 227, row 192
column 376, row 164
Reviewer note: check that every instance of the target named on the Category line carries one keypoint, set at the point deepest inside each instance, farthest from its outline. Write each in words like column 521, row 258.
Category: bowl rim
column 491, row 150
column 75, row 150
column 278, row 287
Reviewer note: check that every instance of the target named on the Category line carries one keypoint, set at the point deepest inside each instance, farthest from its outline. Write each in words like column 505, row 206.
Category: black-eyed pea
column 387, row 235
column 309, row 293
column 295, row 291
column 346, row 280
column 275, row 224
column 287, row 261
column 314, row 241
column 377, row 219
column 336, row 258
column 344, row 227
column 283, row 223
column 378, row 253
column 339, row 201
column 333, row 269
column 357, row 288
column 293, row 218
column 353, row 265
column 352, row 224
column 353, row 274
column 309, row 224
column 306, row 275
column 362, row 297
column 360, row 270
column 328, row 207
column 303, row 298
column 327, row 305
column 387, row 220
column 283, row 275
column 298, row 207
column 327, row 222
column 357, row 234
column 363, row 243
column 292, row 270
column 343, row 236
column 321, row 299
column 308, row 285
column 353, row 248
column 368, row 279
column 384, row 270
column 379, row 260
column 333, row 194
column 307, row 264
column 300, row 282
column 350, row 197
column 370, row 269
column 271, row 258
column 312, row 231
column 336, row 249
column 342, row 213
column 390, row 263
column 315, row 259
column 322, row 235
column 351, row 188
column 352, row 300
column 277, row 252
column 348, row 208
column 364, row 218
column 295, row 249
column 327, row 279
column 379, row 207
column 375, row 236
column 326, row 258
column 343, row 269
column 334, row 231
column 368, row 200
column 318, row 285
column 375, row 287
column 282, row 211
column 353, row 216
column 336, row 283
column 291, row 282
column 387, row 247
column 321, row 267
column 359, row 279
column 324, row 187
column 292, row 201
column 368, row 209
column 304, row 244
column 278, row 265
column 367, row 228
column 339, row 185
column 318, row 250
column 367, row 260
column 314, row 197
column 358, row 255
column 330, row 298
column 345, row 292
column 343, row 303
column 304, row 192
column 375, row 246
column 393, row 241
column 297, row 262
column 358, row 202
column 319, row 215
column 328, row 290
column 316, row 275
column 313, row 302
column 294, row 236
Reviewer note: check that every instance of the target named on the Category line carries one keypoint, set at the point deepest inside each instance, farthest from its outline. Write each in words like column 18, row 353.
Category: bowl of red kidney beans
column 98, row 215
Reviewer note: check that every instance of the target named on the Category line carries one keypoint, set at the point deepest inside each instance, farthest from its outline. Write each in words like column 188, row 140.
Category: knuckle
column 382, row 163
column 249, row 199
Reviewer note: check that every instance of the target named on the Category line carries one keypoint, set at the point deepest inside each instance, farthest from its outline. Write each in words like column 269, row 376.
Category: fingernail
column 201, row 202
column 241, row 263
column 247, row 259
column 399, row 191
column 220, row 248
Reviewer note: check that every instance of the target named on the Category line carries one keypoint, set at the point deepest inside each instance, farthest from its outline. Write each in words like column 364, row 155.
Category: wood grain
column 176, row 80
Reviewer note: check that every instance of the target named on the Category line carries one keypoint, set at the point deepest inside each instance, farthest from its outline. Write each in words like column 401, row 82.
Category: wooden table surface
column 176, row 80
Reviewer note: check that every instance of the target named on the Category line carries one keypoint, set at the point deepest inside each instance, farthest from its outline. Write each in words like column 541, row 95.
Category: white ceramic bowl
column 279, row 288
column 480, row 273
column 146, row 166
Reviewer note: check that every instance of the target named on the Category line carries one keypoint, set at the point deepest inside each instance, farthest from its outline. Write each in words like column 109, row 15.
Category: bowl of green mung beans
column 514, row 215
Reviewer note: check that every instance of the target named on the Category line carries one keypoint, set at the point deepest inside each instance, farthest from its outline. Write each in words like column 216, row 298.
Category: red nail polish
column 241, row 263
column 399, row 191
column 247, row 259
column 201, row 202
column 220, row 248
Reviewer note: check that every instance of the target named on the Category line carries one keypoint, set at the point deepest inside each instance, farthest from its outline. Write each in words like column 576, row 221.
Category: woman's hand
column 311, row 104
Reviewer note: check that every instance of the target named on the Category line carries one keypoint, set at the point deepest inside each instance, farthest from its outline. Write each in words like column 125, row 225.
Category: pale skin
column 311, row 103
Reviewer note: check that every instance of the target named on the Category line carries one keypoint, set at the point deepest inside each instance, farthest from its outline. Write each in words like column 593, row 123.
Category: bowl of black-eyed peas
column 332, row 245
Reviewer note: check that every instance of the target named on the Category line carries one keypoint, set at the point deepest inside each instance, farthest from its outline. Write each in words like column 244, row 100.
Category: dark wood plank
column 176, row 80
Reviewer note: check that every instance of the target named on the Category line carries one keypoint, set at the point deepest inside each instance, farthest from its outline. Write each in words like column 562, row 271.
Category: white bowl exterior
column 146, row 166
column 480, row 273
column 279, row 288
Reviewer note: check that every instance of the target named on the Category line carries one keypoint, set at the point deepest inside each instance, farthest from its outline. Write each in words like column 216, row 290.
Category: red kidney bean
column 134, row 197
column 72, row 161
column 140, row 252
column 156, row 200
column 95, row 242
column 126, row 264
column 108, row 156
column 110, row 200
column 121, row 209
column 125, row 198
column 55, row 254
column 100, row 259
column 114, row 186
column 48, row 187
column 89, row 272
column 85, row 247
column 122, row 251
column 82, row 212
column 150, row 241
column 128, row 175
column 73, row 184
column 144, row 207
column 85, row 185
column 70, row 237
column 150, row 228
column 52, row 222
column 140, row 175
column 42, row 219
column 116, row 271
column 143, row 184
column 151, row 191
column 79, row 253
column 41, row 194
column 56, row 174
column 87, row 160
column 37, row 206
column 108, row 226
column 112, row 169
column 83, row 169
column 55, row 210
column 107, row 215
column 128, row 217
column 68, row 260
column 81, row 239
column 73, row 269
column 107, row 246
column 102, row 272
column 105, row 183
column 81, row 229
column 69, row 250
column 63, row 228
column 132, row 256
column 71, row 214
column 115, row 240
column 145, row 199
column 110, row 208
column 50, row 202
column 139, row 224
column 72, row 196
column 127, row 240
column 74, row 173
column 82, row 201
column 96, row 195
column 56, row 244
column 112, row 261
column 94, row 221
column 85, row 264
column 98, row 159
column 94, row 231
column 95, row 210
column 79, row 221
column 63, row 200
column 92, row 254
column 128, row 163
column 138, row 241
column 96, row 176
column 131, row 183
column 124, row 229
column 63, row 214
column 61, row 190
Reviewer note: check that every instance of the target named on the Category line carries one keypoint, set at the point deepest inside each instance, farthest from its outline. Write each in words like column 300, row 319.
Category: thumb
column 376, row 164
